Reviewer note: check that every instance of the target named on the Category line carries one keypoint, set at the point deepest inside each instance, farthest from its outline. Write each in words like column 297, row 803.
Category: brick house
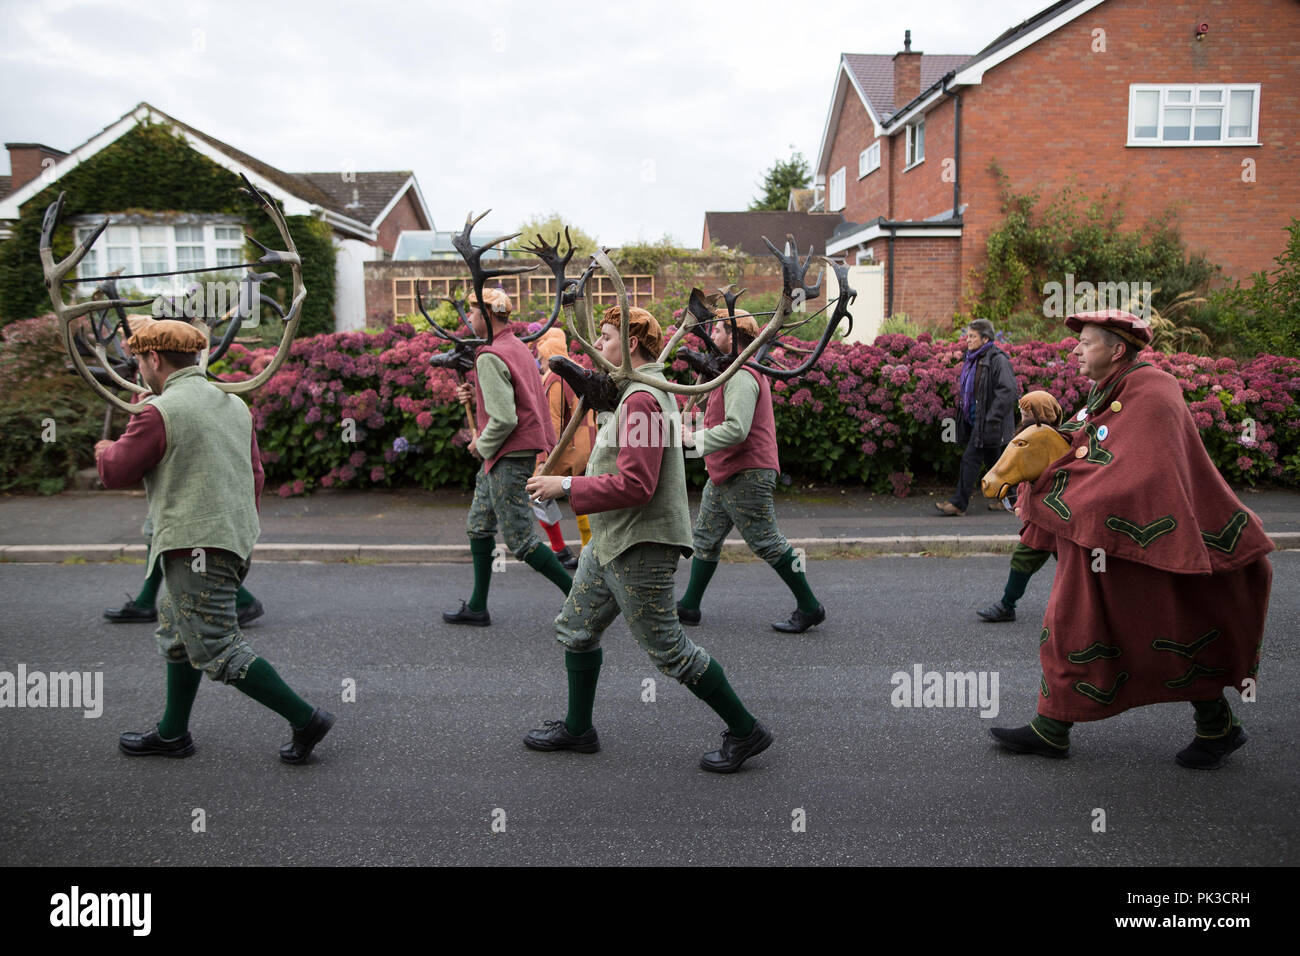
column 1192, row 106
column 366, row 211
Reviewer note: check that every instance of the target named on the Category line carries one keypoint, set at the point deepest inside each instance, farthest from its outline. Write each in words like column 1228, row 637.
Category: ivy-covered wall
column 152, row 168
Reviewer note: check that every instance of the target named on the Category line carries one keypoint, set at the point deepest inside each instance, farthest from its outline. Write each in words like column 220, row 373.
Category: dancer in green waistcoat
column 635, row 494
column 196, row 451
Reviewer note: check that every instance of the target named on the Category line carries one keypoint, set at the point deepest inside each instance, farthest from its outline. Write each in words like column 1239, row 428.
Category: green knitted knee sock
column 713, row 689
column 584, row 670
column 1055, row 732
column 544, row 561
column 1214, row 718
column 182, row 686
column 701, row 572
column 148, row 595
column 796, row 581
column 264, row 685
column 1017, row 581
column 480, row 550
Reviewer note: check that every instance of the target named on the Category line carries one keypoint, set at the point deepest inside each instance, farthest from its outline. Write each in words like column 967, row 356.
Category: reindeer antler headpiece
column 700, row 312
column 56, row 275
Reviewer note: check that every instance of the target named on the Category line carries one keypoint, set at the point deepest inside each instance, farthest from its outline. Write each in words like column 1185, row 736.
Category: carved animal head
column 1027, row 457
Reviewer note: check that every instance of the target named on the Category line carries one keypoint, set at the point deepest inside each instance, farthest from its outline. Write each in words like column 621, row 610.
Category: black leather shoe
column 567, row 558
column 250, row 612
column 1202, row 754
column 300, row 748
column 800, row 622
column 553, row 735
column 132, row 613
column 736, row 750
column 997, row 612
column 1024, row 740
column 150, row 744
column 466, row 616
column 687, row 616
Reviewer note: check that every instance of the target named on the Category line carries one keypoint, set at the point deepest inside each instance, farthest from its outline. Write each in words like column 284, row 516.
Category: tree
column 548, row 225
column 780, row 179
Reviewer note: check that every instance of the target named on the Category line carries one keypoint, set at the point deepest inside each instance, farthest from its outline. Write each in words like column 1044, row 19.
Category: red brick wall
column 922, row 192
column 405, row 215
column 927, row 279
column 1058, row 113
column 865, row 198
column 25, row 164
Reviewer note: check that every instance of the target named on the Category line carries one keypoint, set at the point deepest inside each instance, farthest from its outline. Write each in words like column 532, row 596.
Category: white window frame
column 836, row 195
column 910, row 145
column 96, row 262
column 869, row 160
column 1163, row 90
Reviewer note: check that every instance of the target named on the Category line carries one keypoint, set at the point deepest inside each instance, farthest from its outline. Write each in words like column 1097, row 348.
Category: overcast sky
column 629, row 119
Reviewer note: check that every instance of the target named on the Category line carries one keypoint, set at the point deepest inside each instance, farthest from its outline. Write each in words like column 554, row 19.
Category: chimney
column 29, row 160
column 907, row 73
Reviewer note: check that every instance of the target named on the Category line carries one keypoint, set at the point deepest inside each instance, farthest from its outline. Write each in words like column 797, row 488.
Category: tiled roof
column 874, row 73
column 745, row 230
column 365, row 197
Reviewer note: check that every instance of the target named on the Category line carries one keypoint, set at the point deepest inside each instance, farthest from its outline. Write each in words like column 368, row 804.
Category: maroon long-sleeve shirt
column 143, row 444
column 638, row 468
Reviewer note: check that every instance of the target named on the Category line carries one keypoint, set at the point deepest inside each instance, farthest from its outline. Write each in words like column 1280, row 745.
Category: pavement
column 418, row 526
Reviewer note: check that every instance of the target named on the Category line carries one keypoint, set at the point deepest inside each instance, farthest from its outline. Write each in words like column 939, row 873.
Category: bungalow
column 1183, row 105
column 365, row 211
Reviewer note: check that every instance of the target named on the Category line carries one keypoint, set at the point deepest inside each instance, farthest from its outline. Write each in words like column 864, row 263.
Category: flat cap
column 1126, row 325
column 164, row 335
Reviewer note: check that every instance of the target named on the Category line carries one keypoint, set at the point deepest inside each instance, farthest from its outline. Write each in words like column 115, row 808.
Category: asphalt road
column 428, row 756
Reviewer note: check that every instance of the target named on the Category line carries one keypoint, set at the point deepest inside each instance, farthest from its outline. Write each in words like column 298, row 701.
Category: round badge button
column 1102, row 432
column 1083, row 415
column 1115, row 406
column 1080, row 452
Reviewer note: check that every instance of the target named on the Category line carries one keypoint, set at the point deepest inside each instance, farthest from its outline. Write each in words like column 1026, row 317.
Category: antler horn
column 55, row 273
column 272, row 257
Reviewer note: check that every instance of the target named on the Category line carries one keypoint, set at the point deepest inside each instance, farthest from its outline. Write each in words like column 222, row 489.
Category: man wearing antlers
column 635, row 494
column 738, row 443
column 514, row 425
column 196, row 451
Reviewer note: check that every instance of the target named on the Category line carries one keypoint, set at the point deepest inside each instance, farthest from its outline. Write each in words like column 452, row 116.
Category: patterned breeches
column 499, row 496
column 743, row 500
column 197, row 620
column 639, row 584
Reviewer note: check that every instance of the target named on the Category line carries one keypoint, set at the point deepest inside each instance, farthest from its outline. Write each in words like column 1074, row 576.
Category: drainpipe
column 956, row 148
column 890, row 308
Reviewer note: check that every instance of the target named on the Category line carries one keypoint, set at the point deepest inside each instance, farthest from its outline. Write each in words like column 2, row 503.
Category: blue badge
column 1102, row 432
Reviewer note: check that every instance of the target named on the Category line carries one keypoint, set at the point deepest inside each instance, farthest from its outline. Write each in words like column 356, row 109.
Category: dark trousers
column 975, row 462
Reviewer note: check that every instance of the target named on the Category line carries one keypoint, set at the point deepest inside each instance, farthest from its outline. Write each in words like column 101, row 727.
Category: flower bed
column 871, row 415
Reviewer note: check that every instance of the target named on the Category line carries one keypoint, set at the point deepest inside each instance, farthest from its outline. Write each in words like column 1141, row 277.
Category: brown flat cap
column 497, row 301
column 1124, row 324
column 164, row 335
column 639, row 323
column 744, row 322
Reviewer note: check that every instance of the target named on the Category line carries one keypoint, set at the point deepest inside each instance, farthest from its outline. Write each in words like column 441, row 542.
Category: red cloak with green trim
column 1178, row 611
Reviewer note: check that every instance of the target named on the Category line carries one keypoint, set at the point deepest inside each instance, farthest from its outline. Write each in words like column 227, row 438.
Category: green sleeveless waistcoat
column 201, row 494
column 665, row 519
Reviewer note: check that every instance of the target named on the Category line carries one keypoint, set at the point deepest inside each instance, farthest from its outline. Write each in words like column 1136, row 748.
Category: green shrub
column 1263, row 316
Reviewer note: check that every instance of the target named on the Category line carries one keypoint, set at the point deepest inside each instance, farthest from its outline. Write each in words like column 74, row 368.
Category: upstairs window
column 836, row 198
column 869, row 159
column 915, row 144
column 1193, row 114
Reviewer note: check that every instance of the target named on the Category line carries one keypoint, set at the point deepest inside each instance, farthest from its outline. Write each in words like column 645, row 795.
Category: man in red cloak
column 1162, row 583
